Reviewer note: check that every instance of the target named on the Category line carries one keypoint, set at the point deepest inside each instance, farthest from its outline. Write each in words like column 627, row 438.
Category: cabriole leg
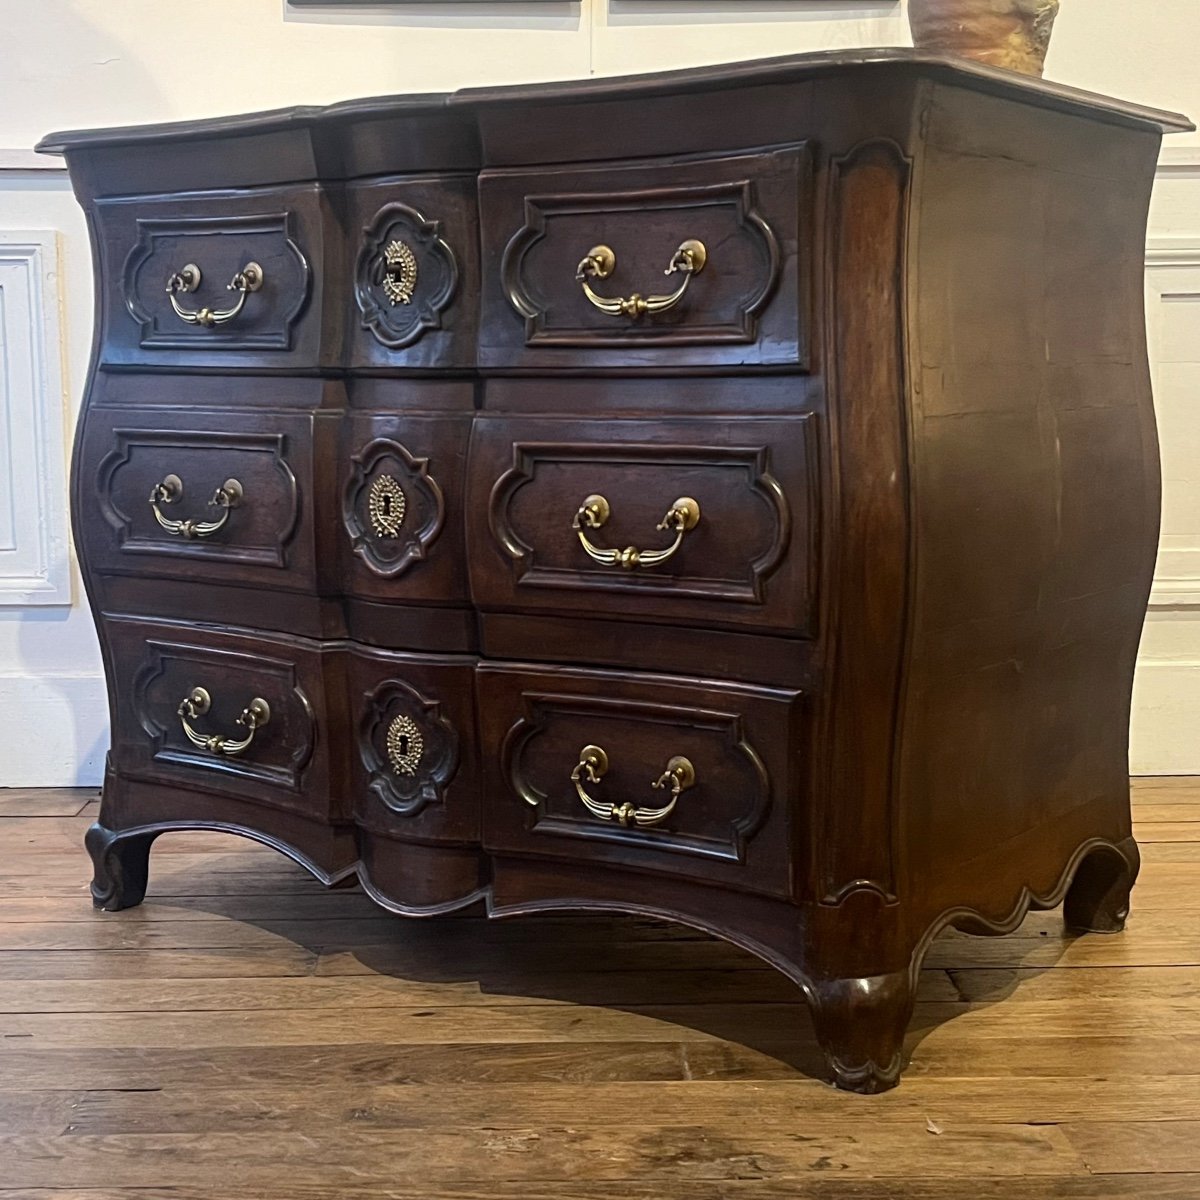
column 121, row 863
column 1098, row 899
column 860, row 1025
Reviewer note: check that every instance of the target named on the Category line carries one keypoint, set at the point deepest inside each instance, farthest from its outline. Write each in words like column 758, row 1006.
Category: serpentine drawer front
column 234, row 714
column 700, row 521
column 640, row 265
column 668, row 496
column 221, row 280
column 661, row 775
column 223, row 497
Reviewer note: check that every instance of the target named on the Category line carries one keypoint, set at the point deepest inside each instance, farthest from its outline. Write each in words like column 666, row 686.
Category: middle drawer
column 224, row 496
column 697, row 520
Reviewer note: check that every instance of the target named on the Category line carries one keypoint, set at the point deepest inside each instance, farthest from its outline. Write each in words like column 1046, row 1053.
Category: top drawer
column 217, row 279
column 698, row 263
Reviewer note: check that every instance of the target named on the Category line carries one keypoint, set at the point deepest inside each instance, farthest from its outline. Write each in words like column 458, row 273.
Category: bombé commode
column 728, row 495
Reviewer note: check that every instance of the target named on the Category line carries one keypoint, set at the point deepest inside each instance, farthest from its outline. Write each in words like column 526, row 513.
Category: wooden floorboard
column 246, row 1033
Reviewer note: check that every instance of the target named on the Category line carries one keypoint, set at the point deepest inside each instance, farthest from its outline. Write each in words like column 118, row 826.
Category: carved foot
column 122, row 866
column 860, row 1024
column 1098, row 899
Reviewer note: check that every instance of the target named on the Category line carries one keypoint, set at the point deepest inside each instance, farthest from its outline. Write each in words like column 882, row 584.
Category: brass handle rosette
column 170, row 491
column 248, row 279
column 600, row 262
column 592, row 767
column 197, row 702
column 682, row 516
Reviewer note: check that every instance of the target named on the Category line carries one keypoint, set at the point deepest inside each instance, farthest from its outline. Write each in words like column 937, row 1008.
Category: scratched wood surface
column 247, row 1034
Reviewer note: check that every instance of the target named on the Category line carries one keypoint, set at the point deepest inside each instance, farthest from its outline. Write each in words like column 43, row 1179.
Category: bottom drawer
column 651, row 773
column 236, row 714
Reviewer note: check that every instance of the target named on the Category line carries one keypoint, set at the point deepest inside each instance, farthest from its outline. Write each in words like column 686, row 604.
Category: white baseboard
column 55, row 730
column 1165, row 734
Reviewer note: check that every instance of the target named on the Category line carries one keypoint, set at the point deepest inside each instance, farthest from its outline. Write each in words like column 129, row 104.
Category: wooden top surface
column 458, row 107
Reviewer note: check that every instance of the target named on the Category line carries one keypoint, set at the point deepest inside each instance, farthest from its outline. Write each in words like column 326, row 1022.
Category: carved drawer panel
column 655, row 773
column 415, row 291
column 402, row 507
column 222, row 497
column 213, row 279
column 415, row 775
column 643, row 265
column 701, row 521
column 222, row 712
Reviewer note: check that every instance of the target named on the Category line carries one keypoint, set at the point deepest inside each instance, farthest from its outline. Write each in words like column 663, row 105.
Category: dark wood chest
column 728, row 496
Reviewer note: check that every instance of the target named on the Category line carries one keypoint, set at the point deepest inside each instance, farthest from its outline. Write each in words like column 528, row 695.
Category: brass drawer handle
column 197, row 702
column 228, row 496
column 683, row 515
column 593, row 764
column 601, row 261
column 248, row 279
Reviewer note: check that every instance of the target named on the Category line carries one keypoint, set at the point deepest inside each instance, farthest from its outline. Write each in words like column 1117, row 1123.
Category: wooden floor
column 247, row 1034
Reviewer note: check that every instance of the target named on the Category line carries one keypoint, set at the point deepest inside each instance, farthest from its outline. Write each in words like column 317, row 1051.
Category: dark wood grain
column 908, row 392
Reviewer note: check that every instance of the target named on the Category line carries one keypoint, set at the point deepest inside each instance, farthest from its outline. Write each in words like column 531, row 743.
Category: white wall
column 80, row 63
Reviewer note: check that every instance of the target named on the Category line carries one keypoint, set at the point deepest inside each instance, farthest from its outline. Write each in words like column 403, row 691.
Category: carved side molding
column 406, row 276
column 856, row 836
column 409, row 748
column 392, row 507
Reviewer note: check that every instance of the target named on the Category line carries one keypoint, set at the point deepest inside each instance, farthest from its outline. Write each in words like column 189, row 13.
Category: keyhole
column 403, row 747
column 387, row 506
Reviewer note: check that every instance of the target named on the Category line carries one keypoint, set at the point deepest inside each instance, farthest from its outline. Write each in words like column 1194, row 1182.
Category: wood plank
column 181, row 1107
column 1141, row 1146
column 1148, row 832
column 44, row 802
column 1178, row 787
column 367, row 1066
column 248, row 1160
column 1051, row 1187
column 1181, row 810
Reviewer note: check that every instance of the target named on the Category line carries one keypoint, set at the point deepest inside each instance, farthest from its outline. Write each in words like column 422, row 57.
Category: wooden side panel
column 1036, row 491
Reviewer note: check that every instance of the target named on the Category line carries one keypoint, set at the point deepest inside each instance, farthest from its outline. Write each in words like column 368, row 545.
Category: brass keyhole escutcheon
column 399, row 272
column 404, row 745
column 386, row 504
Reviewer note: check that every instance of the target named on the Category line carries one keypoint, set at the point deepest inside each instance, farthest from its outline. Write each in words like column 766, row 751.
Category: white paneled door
column 34, row 556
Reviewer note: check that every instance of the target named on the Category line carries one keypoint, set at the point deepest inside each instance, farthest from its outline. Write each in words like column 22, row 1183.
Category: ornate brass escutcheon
column 399, row 272
column 386, row 505
column 404, row 745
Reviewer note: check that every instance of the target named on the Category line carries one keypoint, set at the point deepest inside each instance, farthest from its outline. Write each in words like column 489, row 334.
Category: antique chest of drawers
column 728, row 496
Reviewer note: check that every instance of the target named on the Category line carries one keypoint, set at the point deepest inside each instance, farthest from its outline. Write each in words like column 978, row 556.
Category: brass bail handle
column 682, row 516
column 197, row 702
column 600, row 262
column 187, row 279
column 593, row 766
column 170, row 491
